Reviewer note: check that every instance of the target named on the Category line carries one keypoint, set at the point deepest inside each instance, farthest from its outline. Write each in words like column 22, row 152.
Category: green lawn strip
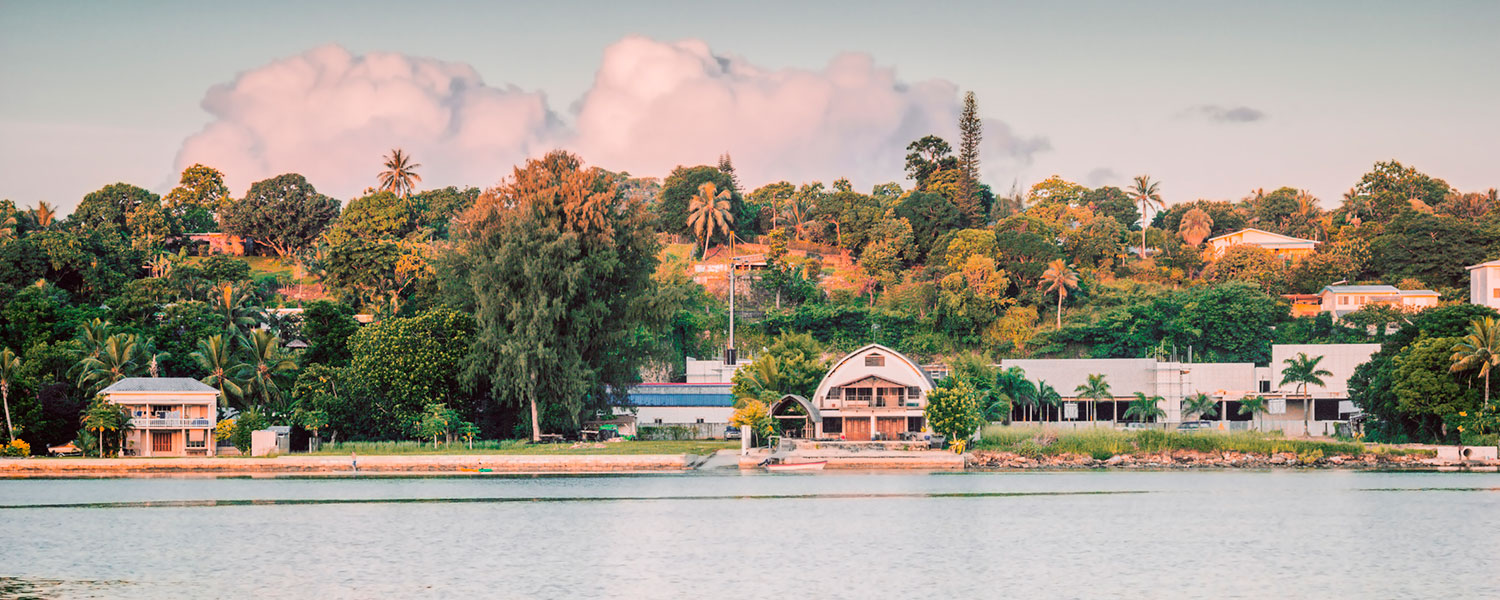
column 1103, row 443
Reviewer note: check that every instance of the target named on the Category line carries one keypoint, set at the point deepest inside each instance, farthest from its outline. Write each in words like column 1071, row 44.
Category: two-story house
column 169, row 416
column 873, row 393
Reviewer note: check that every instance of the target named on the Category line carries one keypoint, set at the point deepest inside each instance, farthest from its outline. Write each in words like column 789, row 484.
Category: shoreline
column 391, row 464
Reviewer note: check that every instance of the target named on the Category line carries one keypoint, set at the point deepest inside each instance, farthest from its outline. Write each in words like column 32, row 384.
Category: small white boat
column 798, row 466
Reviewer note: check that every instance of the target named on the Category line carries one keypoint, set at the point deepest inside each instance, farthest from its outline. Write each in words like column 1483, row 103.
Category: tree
column 327, row 327
column 102, row 416
column 437, row 420
column 400, row 174
column 109, row 208
column 118, row 358
column 408, row 363
column 1253, row 264
column 44, row 214
column 560, row 264
column 1480, row 349
column 774, row 196
column 1253, row 406
column 677, row 193
column 201, row 190
column 926, row 157
column 1058, row 279
column 1200, row 404
column 285, row 212
column 1147, row 193
column 1390, row 188
column 1145, row 408
column 1112, row 202
column 234, row 304
column 1095, row 389
column 793, row 364
column 1046, row 395
column 1303, row 371
column 1424, row 383
column 216, row 355
column 709, row 211
column 930, row 215
column 970, row 132
column 1195, row 226
column 267, row 372
column 10, row 368
column 953, row 411
column 1056, row 190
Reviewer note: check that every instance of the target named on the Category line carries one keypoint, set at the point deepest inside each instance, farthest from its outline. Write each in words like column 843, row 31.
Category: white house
column 1344, row 299
column 1484, row 284
column 872, row 393
column 705, row 408
column 169, row 416
column 1283, row 246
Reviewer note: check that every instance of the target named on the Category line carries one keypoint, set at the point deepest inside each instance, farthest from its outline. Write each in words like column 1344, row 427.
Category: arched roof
column 812, row 411
column 911, row 364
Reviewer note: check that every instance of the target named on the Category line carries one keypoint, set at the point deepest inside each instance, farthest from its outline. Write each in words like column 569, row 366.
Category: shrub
column 16, row 448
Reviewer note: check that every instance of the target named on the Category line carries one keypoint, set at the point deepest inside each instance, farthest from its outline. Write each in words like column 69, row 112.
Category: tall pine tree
column 968, row 154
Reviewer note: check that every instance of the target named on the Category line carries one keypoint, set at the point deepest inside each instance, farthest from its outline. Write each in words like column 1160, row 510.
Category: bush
column 248, row 422
column 17, row 448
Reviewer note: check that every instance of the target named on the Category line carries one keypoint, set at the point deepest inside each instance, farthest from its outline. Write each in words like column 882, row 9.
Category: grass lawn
column 1104, row 443
column 522, row 447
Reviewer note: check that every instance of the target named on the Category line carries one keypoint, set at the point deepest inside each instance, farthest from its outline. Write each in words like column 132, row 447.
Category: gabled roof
column 1284, row 237
column 176, row 385
column 1493, row 263
column 1360, row 289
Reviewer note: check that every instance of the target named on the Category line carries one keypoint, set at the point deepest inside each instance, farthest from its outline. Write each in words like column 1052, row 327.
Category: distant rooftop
column 159, row 384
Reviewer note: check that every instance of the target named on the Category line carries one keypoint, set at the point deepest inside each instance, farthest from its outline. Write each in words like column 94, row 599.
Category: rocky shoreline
column 1193, row 459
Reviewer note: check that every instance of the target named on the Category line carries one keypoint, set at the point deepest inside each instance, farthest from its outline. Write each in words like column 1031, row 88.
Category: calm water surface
column 1316, row 534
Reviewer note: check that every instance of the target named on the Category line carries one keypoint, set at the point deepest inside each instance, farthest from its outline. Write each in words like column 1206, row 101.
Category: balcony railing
column 147, row 423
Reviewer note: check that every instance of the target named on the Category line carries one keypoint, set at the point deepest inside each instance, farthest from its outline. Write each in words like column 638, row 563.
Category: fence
column 681, row 431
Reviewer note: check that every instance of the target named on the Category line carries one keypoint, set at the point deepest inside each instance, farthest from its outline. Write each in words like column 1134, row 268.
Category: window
column 833, row 393
column 1495, row 293
column 1343, row 299
column 658, row 421
column 874, row 360
column 914, row 424
column 833, row 425
column 700, row 419
column 1265, row 386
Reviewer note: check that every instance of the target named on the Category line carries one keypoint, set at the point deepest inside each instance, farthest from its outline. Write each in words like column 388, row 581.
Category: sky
column 1213, row 99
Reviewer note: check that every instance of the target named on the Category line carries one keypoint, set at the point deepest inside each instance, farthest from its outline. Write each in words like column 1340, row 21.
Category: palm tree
column 233, row 303
column 1096, row 390
column 1026, row 395
column 1302, row 371
column 1195, row 226
column 117, row 360
column 92, row 335
column 267, row 372
column 1058, row 279
column 1253, row 406
column 103, row 416
column 44, row 214
column 795, row 211
column 10, row 368
column 1148, row 194
column 8, row 226
column 1046, row 395
column 1480, row 349
column 708, row 212
column 1145, row 408
column 399, row 174
column 1200, row 404
column 216, row 355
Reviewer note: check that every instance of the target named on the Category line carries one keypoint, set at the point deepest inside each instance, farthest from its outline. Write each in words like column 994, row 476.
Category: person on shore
column 354, row 462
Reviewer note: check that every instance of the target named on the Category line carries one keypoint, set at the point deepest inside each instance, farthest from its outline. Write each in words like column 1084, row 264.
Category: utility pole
column 730, row 354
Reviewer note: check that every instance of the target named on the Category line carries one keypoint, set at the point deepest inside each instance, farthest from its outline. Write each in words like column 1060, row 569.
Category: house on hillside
column 1284, row 246
column 1344, row 299
column 169, row 416
column 223, row 243
column 873, row 393
column 1484, row 284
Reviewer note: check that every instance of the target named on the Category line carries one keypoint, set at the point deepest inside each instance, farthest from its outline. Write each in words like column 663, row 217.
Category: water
column 1314, row 534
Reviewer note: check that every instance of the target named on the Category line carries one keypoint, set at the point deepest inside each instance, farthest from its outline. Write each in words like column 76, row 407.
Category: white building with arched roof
column 872, row 393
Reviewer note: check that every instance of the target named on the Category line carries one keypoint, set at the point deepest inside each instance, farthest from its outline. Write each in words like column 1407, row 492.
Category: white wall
column 1340, row 359
column 646, row 416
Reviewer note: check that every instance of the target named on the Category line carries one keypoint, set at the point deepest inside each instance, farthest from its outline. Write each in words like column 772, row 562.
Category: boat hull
column 807, row 466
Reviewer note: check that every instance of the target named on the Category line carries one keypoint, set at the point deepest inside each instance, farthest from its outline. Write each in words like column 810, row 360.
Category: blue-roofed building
column 703, row 407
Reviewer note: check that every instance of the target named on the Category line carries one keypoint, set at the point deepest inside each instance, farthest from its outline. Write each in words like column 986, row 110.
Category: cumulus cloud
column 1223, row 114
column 653, row 105
column 1102, row 176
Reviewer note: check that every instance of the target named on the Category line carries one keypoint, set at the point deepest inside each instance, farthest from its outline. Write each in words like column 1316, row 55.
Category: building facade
column 700, row 409
column 169, row 416
column 873, row 393
column 1344, row 299
column 1484, row 284
column 1284, row 246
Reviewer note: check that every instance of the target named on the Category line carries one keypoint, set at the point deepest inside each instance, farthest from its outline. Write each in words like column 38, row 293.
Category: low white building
column 1344, row 299
column 1227, row 383
column 1283, row 246
column 702, row 408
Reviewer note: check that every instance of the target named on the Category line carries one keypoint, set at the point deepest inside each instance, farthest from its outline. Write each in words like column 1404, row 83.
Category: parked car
column 1195, row 425
column 1137, row 426
column 731, row 433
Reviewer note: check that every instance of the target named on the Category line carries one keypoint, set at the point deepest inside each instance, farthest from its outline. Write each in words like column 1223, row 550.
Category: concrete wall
column 1126, row 376
column 1482, row 285
column 646, row 416
column 712, row 371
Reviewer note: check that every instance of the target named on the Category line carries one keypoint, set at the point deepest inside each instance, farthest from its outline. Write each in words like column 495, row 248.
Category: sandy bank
column 497, row 463
column 1192, row 459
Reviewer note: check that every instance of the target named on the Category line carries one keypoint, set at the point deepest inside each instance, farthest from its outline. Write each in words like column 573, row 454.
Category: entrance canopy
column 779, row 406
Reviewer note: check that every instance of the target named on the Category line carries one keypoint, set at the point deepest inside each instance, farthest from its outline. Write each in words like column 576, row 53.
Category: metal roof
column 1361, row 289
column 681, row 394
column 159, row 384
column 1282, row 236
